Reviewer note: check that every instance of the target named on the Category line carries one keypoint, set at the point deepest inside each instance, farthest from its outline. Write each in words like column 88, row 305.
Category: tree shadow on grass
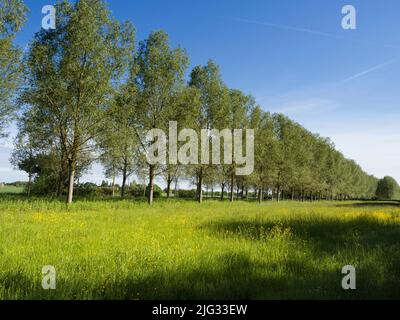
column 325, row 235
column 235, row 276
column 370, row 243
column 229, row 276
column 232, row 275
column 368, row 204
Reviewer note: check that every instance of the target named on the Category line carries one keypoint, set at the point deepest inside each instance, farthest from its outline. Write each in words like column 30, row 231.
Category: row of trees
column 91, row 94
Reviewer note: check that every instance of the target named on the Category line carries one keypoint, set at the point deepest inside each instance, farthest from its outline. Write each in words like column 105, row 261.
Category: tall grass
column 180, row 249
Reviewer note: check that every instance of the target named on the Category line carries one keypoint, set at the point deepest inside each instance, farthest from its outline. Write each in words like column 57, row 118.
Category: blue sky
column 293, row 56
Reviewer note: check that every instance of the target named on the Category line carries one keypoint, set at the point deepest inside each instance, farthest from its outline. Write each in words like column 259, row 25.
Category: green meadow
column 122, row 249
column 11, row 190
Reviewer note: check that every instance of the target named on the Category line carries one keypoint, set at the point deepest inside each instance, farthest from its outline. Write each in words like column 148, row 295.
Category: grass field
column 11, row 189
column 179, row 249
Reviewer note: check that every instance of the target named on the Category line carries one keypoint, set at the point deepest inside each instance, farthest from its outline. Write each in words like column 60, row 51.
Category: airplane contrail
column 309, row 31
column 369, row 70
column 285, row 27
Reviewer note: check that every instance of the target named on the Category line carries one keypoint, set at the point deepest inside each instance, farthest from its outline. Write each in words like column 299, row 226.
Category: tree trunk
column 222, row 191
column 60, row 182
column 199, row 186
column 151, row 184
column 29, row 184
column 232, row 179
column 113, row 186
column 169, row 181
column 175, row 187
column 71, row 167
column 278, row 193
column 260, row 195
column 124, row 174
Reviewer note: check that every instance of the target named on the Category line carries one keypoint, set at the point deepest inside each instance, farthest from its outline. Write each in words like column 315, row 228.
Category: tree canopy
column 388, row 189
column 12, row 17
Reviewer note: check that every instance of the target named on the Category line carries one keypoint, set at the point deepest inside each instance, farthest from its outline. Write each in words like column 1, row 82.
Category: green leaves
column 214, row 96
column 12, row 17
column 388, row 189
column 72, row 74
column 159, row 78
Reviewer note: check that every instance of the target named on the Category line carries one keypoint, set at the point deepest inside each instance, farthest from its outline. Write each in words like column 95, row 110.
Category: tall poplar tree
column 212, row 109
column 159, row 76
column 72, row 72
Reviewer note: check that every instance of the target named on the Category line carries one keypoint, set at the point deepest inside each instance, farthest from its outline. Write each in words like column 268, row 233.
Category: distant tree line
column 90, row 92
